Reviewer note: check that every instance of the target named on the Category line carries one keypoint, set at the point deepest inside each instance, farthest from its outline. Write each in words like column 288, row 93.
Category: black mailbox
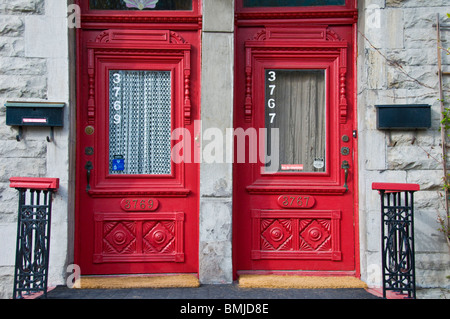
column 34, row 114
column 44, row 114
column 410, row 116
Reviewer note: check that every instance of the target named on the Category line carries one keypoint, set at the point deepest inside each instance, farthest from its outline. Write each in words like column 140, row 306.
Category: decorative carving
column 275, row 41
column 332, row 36
column 342, row 95
column 276, row 235
column 159, row 237
column 139, row 237
column 296, row 234
column 176, row 38
column 103, row 37
column 315, row 234
column 248, row 87
column 91, row 98
column 119, row 237
column 140, row 42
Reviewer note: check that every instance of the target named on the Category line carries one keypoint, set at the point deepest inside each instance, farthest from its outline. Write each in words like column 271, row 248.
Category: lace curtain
column 140, row 122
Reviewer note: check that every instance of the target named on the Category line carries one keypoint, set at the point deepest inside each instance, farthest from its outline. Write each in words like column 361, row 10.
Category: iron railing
column 397, row 237
column 33, row 234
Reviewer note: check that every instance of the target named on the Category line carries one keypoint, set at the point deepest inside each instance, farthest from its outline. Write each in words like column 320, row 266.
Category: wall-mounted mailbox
column 35, row 114
column 403, row 117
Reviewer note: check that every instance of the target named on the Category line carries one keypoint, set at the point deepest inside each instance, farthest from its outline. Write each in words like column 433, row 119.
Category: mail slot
column 411, row 116
column 34, row 114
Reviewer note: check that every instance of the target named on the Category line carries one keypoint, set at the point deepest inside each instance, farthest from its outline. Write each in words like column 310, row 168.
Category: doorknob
column 88, row 167
column 345, row 166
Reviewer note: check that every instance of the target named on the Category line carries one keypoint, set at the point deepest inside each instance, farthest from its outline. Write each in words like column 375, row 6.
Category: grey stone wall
column 33, row 67
column 397, row 64
column 216, row 185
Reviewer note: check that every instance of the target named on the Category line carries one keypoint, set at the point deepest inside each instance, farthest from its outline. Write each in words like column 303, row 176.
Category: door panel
column 294, row 210
column 137, row 210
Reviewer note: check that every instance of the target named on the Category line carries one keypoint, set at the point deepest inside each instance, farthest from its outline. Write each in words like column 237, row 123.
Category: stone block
column 372, row 153
column 218, row 16
column 11, row 26
column 24, row 86
column 215, row 219
column 22, row 66
column 376, row 69
column 430, row 180
column 30, row 167
column 413, row 158
column 6, row 282
column 46, row 37
column 432, row 270
column 22, row 6
column 10, row 46
column 215, row 263
column 8, row 236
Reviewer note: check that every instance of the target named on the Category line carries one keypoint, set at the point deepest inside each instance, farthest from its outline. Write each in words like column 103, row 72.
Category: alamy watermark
column 74, row 16
column 236, row 145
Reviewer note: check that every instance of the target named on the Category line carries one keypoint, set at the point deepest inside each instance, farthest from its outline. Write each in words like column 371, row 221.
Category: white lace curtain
column 140, row 121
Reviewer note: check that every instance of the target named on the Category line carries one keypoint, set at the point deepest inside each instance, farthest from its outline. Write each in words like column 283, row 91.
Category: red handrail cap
column 40, row 183
column 396, row 187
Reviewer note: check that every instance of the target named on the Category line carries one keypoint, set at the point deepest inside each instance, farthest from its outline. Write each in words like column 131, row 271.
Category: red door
column 136, row 209
column 294, row 201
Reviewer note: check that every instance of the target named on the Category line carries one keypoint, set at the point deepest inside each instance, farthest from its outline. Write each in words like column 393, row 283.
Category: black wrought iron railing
column 33, row 234
column 397, row 237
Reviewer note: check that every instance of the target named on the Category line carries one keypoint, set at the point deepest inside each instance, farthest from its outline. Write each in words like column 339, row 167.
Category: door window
column 140, row 4
column 140, row 105
column 295, row 104
column 291, row 3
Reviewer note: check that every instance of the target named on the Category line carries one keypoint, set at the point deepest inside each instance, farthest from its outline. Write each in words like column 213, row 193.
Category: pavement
column 209, row 292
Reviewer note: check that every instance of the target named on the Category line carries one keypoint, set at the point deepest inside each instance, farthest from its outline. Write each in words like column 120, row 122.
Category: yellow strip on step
column 299, row 282
column 123, row 282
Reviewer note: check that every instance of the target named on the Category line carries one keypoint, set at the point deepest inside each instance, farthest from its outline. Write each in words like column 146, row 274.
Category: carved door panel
column 295, row 204
column 137, row 209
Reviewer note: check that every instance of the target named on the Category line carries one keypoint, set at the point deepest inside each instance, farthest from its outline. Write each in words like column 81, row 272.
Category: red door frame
column 166, row 40
column 290, row 17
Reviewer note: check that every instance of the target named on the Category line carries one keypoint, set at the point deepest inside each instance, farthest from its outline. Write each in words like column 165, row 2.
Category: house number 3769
column 139, row 204
column 117, row 105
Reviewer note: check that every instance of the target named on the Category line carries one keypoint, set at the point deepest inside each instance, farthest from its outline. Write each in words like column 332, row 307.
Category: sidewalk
column 232, row 291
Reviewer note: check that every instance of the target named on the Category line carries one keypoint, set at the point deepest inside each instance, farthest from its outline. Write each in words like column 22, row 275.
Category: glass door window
column 296, row 106
column 140, row 104
column 291, row 3
column 140, row 4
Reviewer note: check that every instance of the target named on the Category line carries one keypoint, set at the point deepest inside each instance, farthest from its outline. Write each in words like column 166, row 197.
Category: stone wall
column 33, row 67
column 216, row 184
column 397, row 64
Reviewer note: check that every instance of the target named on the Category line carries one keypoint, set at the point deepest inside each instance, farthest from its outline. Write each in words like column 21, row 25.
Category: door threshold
column 138, row 281
column 296, row 281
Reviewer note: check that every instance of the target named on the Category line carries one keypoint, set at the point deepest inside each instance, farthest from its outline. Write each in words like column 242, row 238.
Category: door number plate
column 139, row 204
column 296, row 201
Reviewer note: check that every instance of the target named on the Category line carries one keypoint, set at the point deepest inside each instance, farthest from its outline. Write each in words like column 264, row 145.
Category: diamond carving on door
column 296, row 235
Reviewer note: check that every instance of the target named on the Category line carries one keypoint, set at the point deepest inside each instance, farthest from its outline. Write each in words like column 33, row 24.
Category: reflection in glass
column 295, row 104
column 140, row 4
column 291, row 3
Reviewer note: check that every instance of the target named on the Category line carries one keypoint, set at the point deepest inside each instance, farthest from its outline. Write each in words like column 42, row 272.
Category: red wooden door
column 136, row 209
column 294, row 202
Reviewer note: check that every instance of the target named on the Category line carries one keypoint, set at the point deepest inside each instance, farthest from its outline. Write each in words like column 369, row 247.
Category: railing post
column 397, row 237
column 33, row 234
